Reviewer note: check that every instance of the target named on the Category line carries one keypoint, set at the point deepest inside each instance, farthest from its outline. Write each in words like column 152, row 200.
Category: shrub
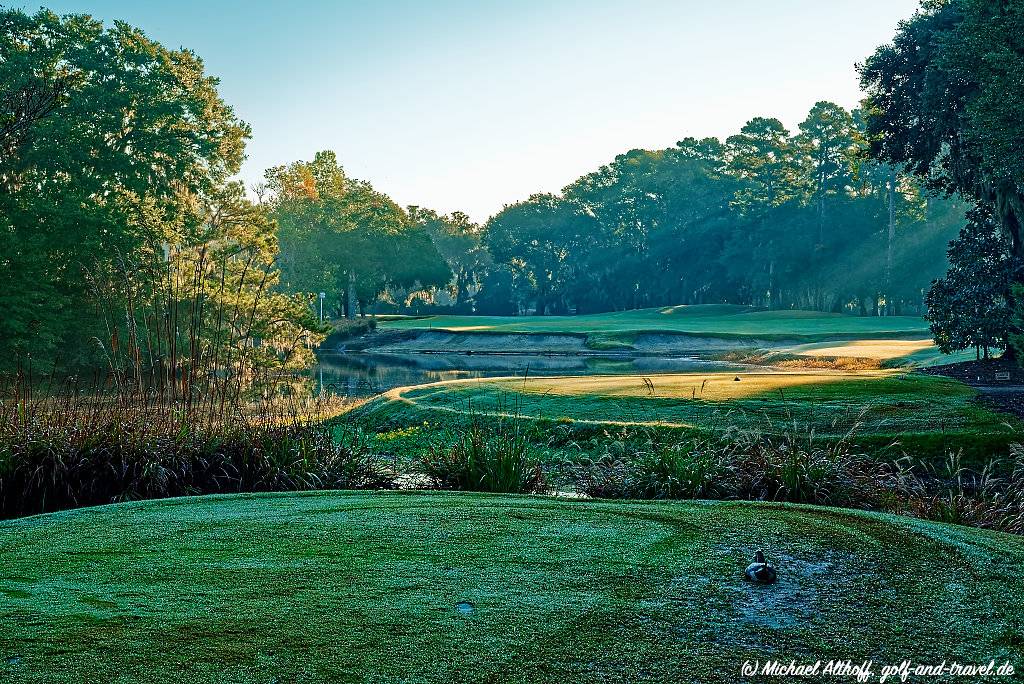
column 345, row 329
column 68, row 448
column 652, row 469
column 796, row 467
column 485, row 460
column 792, row 467
column 954, row 494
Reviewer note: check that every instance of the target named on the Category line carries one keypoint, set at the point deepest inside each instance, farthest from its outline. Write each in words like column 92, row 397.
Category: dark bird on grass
column 759, row 571
column 736, row 379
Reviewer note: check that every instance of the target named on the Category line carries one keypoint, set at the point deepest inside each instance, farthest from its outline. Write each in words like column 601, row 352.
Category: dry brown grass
column 840, row 363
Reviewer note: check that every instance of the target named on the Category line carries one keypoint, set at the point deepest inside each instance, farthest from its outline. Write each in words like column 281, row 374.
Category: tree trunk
column 891, row 196
column 1009, row 205
column 821, row 218
column 350, row 304
column 460, row 286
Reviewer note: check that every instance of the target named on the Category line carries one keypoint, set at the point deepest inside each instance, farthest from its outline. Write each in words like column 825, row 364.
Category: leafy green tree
column 536, row 238
column 829, row 141
column 970, row 306
column 655, row 230
column 108, row 141
column 459, row 242
column 300, row 198
column 499, row 294
column 764, row 158
column 340, row 235
column 940, row 103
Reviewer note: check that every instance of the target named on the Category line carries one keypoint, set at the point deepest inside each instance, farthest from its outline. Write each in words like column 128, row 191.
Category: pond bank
column 596, row 344
column 842, row 352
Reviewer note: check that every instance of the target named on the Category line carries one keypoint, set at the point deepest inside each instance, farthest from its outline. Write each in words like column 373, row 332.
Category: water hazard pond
column 362, row 374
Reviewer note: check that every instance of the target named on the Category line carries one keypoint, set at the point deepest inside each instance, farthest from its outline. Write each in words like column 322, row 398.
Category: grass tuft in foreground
column 485, row 458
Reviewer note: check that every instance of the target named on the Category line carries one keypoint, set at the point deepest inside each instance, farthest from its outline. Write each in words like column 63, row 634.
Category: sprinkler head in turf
column 759, row 572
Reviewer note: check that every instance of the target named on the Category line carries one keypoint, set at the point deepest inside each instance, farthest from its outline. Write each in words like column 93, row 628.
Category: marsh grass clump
column 194, row 388
column 49, row 463
column 991, row 498
column 794, row 465
column 652, row 468
column 790, row 465
column 485, row 458
column 192, row 397
column 346, row 329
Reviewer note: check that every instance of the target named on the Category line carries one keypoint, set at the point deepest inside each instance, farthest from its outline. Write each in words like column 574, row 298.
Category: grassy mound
column 345, row 587
column 924, row 413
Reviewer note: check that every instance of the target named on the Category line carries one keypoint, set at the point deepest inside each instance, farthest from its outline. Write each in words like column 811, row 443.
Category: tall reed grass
column 190, row 399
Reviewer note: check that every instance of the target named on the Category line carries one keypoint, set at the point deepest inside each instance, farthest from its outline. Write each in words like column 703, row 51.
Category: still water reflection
column 360, row 375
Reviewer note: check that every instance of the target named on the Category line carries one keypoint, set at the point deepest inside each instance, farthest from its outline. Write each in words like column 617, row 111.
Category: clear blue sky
column 474, row 104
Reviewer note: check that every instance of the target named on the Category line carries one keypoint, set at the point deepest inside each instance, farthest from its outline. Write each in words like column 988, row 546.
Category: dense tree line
column 766, row 217
column 117, row 210
column 854, row 211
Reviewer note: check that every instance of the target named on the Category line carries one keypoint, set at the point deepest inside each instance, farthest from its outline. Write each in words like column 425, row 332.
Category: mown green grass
column 330, row 587
column 887, row 352
column 926, row 415
column 718, row 320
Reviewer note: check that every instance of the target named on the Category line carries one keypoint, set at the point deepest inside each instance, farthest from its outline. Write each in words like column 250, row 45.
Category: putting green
column 888, row 352
column 878, row 350
column 330, row 587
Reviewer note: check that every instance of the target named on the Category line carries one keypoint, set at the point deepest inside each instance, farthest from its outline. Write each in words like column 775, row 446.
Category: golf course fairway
column 411, row 587
column 876, row 404
column 708, row 319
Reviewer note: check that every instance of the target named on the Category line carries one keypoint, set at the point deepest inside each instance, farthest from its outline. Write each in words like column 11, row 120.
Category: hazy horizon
column 471, row 106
